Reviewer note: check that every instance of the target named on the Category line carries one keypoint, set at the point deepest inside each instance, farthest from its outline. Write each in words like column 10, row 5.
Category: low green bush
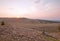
column 2, row 23
column 59, row 28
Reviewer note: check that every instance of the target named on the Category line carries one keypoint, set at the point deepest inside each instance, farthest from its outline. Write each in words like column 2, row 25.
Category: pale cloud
column 43, row 9
column 48, row 11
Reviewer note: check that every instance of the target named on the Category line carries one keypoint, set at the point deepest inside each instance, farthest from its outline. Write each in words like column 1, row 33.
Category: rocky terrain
column 23, row 30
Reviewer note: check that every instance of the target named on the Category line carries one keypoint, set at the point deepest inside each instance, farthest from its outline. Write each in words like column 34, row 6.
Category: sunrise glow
column 17, row 16
column 37, row 9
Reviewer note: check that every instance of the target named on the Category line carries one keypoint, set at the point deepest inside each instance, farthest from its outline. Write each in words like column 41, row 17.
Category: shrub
column 2, row 23
column 59, row 28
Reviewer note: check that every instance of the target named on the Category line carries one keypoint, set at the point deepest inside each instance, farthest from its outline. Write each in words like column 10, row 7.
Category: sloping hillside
column 10, row 33
column 25, row 30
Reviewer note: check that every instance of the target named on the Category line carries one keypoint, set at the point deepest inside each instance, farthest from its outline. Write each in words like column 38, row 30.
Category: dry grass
column 22, row 31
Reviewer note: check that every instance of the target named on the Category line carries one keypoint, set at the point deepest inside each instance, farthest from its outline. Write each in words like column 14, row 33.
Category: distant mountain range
column 28, row 20
column 38, row 20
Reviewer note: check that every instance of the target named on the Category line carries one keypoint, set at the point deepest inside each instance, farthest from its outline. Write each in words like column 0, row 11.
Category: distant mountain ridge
column 40, row 20
column 28, row 20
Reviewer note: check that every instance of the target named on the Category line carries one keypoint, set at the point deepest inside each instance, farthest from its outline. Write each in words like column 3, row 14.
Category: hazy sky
column 43, row 9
